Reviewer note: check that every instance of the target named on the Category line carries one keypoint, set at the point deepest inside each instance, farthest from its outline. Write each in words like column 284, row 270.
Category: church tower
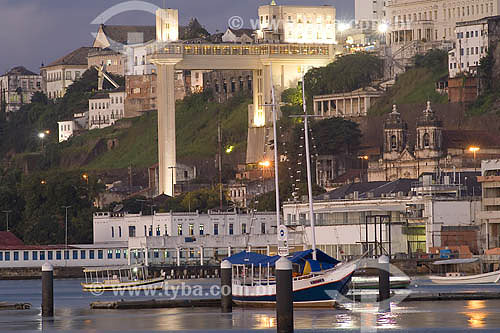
column 395, row 135
column 429, row 135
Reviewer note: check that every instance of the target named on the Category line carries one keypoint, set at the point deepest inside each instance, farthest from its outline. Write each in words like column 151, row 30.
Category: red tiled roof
column 7, row 238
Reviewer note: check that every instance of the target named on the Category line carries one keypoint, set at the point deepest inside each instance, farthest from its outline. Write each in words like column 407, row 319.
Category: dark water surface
column 74, row 314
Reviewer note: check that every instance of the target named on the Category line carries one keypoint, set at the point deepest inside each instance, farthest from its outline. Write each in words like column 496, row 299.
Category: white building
column 137, row 62
column 66, row 129
column 369, row 11
column 241, row 36
column 109, row 227
column 297, row 24
column 346, row 218
column 60, row 74
column 472, row 44
column 17, row 86
column 105, row 108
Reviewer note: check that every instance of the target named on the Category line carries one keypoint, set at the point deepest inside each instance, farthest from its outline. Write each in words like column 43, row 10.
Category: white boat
column 100, row 279
column 458, row 277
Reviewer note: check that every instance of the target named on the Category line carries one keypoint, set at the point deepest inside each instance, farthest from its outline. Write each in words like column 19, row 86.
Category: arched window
column 120, row 232
column 394, row 144
column 427, row 140
column 112, row 232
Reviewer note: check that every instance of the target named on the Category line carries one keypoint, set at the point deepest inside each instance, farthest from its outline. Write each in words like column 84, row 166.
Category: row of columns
column 405, row 36
column 319, row 106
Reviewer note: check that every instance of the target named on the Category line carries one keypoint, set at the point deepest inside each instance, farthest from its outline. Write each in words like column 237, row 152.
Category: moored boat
column 316, row 283
column 458, row 277
column 100, row 279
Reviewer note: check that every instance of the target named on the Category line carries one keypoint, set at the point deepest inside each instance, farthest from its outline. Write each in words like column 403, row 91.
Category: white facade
column 106, row 108
column 66, row 129
column 471, row 46
column 297, row 24
column 137, row 62
column 73, row 256
column 369, row 11
column 341, row 224
column 59, row 78
column 432, row 20
column 490, row 210
column 110, row 227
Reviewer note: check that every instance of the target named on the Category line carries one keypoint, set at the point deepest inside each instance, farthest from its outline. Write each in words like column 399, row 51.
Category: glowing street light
column 474, row 150
column 86, row 178
column 382, row 28
column 265, row 164
column 343, row 26
column 229, row 149
column 41, row 135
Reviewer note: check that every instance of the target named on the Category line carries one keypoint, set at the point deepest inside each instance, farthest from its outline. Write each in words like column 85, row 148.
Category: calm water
column 73, row 314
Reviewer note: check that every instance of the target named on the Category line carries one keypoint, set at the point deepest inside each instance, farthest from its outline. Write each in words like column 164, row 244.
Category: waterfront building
column 17, row 86
column 61, row 73
column 105, row 108
column 406, row 216
column 490, row 210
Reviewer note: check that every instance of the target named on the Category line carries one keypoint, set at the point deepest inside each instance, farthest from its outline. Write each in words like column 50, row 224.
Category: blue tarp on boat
column 324, row 261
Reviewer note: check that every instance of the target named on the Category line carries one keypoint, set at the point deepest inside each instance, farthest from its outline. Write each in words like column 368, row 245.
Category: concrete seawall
column 26, row 273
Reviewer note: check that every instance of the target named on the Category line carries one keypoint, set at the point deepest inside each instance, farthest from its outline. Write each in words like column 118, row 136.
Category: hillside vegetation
column 417, row 85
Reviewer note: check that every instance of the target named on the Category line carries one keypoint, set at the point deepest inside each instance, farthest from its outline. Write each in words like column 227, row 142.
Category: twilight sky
column 40, row 31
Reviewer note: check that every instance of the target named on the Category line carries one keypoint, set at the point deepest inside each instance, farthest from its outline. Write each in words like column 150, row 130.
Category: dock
column 14, row 306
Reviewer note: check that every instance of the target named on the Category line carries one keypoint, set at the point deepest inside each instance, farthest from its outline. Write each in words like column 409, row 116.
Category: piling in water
column 226, row 282
column 384, row 287
column 284, row 296
column 47, row 290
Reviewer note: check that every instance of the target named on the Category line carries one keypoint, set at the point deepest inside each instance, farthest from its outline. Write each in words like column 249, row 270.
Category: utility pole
column 66, row 229
column 7, row 215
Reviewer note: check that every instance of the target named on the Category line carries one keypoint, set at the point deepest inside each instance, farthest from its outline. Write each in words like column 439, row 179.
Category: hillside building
column 105, row 108
column 112, row 61
column 490, row 210
column 60, row 74
column 17, row 86
column 347, row 105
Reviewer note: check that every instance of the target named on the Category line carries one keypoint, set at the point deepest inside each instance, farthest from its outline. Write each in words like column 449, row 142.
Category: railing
column 243, row 49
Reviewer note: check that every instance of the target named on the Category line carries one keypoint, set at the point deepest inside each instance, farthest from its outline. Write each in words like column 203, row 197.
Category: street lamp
column 362, row 158
column 66, row 229
column 41, row 135
column 86, row 178
column 474, row 150
column 264, row 165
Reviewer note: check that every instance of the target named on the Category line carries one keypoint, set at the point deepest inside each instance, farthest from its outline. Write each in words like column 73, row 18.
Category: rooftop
column 7, row 238
column 77, row 57
column 19, row 70
column 120, row 33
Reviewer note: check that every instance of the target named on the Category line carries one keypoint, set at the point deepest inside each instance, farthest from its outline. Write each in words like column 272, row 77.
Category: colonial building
column 490, row 210
column 60, row 74
column 117, row 36
column 113, row 61
column 296, row 24
column 225, row 83
column 105, row 108
column 17, row 86
column 433, row 149
column 347, row 105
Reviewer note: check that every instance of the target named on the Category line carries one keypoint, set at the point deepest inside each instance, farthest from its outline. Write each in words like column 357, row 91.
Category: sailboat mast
column 308, row 163
column 276, row 161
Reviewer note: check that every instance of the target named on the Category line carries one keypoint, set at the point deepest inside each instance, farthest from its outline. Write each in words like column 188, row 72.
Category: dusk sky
column 33, row 32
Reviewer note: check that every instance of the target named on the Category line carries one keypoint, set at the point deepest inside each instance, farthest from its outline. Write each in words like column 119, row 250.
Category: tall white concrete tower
column 167, row 30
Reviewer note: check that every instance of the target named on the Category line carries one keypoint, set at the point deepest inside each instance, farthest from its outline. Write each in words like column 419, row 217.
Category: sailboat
column 317, row 278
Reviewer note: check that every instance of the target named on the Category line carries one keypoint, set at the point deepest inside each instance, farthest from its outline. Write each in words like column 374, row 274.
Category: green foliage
column 292, row 96
column 346, row 74
column 435, row 59
column 194, row 30
column 485, row 71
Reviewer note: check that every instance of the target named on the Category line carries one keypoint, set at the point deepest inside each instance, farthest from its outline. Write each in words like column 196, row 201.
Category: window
column 426, row 140
column 156, row 253
column 7, row 256
column 243, row 228
column 68, row 75
column 202, row 228
column 262, row 228
column 110, row 254
column 118, row 254
column 124, row 254
column 34, row 255
column 26, row 255
column 131, row 231
column 91, row 254
column 158, row 231
column 393, row 142
column 120, row 232
column 150, row 231
column 166, row 230
column 42, row 255
column 58, row 255
column 16, row 255
column 100, row 254
column 216, row 229
column 75, row 254
column 66, row 255
column 1, row 256
column 145, row 231
column 231, row 229
column 112, row 232
column 179, row 229
column 50, row 255
column 82, row 254
column 191, row 229
column 77, row 75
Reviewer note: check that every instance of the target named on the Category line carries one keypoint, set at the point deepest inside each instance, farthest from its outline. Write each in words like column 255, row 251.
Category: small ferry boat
column 100, row 279
column 316, row 283
column 457, row 277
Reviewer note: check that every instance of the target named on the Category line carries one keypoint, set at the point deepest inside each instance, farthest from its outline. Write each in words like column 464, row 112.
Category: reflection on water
column 73, row 314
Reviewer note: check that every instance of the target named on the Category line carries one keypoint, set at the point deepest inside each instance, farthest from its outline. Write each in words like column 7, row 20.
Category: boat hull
column 152, row 284
column 319, row 290
column 492, row 277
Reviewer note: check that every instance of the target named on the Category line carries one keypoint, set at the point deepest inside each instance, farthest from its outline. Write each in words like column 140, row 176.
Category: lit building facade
column 105, row 108
column 490, row 210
